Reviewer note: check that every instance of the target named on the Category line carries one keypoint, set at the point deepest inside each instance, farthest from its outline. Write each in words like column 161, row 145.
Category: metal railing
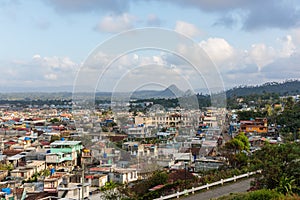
column 208, row 185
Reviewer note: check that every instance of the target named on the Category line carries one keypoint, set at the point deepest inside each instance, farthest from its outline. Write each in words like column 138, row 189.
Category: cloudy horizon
column 45, row 43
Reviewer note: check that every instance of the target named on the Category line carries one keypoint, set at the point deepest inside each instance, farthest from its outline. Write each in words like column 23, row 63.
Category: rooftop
column 67, row 143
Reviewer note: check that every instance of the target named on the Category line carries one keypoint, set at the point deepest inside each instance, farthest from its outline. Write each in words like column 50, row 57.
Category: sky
column 45, row 44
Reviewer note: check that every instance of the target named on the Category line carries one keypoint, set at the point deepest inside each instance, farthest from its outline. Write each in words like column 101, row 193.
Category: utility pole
column 82, row 180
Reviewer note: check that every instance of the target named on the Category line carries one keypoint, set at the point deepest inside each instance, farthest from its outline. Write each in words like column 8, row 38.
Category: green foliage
column 255, row 195
column 54, row 138
column 235, row 150
column 247, row 115
column 290, row 120
column 8, row 167
column 45, row 172
column 286, row 185
column 104, row 128
column 157, row 178
column 109, row 186
column 111, row 124
column 238, row 143
column 280, row 166
column 54, row 120
column 244, row 139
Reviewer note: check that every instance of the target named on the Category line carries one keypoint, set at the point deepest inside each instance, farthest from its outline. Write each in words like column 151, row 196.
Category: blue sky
column 44, row 43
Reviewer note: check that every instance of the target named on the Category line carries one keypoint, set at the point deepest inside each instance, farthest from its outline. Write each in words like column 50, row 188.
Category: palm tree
column 286, row 185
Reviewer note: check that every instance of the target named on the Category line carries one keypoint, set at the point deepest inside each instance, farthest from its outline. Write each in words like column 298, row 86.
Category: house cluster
column 54, row 153
column 49, row 152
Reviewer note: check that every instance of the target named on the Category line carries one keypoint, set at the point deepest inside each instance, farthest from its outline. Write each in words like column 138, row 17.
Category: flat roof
column 60, row 142
column 15, row 157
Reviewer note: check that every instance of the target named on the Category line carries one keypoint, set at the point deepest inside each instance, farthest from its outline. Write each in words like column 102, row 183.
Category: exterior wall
column 74, row 192
column 166, row 120
column 54, row 158
column 3, row 174
column 123, row 177
column 37, row 166
column 23, row 173
column 254, row 126
column 103, row 180
column 51, row 185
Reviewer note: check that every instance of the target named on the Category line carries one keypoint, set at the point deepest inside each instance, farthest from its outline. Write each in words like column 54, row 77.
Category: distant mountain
column 282, row 89
column 171, row 92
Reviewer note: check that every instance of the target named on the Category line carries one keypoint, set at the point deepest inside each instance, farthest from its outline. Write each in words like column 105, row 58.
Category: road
column 240, row 186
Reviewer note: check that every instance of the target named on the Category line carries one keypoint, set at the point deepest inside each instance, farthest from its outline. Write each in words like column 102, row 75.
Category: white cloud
column 50, row 76
column 187, row 29
column 288, row 46
column 40, row 72
column 116, row 23
column 295, row 34
column 219, row 50
column 55, row 62
column 261, row 54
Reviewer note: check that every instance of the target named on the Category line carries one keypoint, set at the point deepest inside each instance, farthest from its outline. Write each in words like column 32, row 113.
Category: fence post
column 222, row 181
column 193, row 190
column 177, row 195
column 207, row 186
column 234, row 178
column 248, row 174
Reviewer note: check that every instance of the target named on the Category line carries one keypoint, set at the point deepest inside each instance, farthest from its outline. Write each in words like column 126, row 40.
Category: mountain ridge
column 290, row 87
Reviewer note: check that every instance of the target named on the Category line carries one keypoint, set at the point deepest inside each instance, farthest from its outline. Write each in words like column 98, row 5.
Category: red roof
column 156, row 187
column 10, row 142
column 100, row 169
column 44, row 143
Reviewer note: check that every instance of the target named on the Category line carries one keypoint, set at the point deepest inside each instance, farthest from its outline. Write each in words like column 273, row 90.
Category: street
column 240, row 186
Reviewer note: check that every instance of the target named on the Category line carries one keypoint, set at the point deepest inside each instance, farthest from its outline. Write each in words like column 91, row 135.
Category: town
column 48, row 151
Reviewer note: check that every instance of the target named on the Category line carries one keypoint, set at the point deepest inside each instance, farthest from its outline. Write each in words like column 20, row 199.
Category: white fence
column 207, row 186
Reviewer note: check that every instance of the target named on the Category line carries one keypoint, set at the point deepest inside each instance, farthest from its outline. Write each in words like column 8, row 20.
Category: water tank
column 62, row 139
column 52, row 171
column 6, row 190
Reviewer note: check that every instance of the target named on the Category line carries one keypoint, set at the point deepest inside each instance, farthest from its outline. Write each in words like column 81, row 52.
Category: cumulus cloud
column 288, row 46
column 54, row 63
column 219, row 50
column 187, row 29
column 261, row 54
column 116, row 23
column 40, row 71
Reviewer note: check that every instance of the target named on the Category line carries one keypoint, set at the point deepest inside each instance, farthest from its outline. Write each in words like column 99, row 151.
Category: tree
column 244, row 139
column 54, row 138
column 8, row 167
column 286, row 185
column 236, row 149
column 238, row 143
column 280, row 166
column 290, row 121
